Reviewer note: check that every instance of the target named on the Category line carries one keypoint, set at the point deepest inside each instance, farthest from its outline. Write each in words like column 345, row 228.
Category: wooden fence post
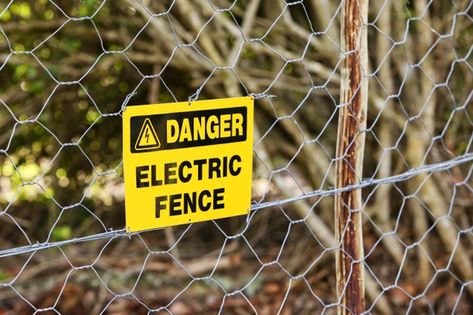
column 349, row 165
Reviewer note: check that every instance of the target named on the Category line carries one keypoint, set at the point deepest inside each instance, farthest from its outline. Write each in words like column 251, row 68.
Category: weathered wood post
column 349, row 165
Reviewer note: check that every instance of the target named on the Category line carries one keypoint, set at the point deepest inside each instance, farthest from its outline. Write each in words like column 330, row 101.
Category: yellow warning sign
column 186, row 162
column 147, row 139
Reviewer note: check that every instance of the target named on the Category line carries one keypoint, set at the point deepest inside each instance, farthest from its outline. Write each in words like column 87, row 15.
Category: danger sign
column 186, row 162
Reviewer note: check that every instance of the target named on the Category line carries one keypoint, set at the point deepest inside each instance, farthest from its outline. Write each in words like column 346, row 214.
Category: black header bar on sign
column 187, row 129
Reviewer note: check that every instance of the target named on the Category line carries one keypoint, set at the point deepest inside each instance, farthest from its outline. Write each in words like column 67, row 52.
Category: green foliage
column 61, row 233
column 3, row 276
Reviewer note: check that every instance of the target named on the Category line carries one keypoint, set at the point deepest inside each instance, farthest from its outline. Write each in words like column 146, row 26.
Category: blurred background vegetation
column 67, row 68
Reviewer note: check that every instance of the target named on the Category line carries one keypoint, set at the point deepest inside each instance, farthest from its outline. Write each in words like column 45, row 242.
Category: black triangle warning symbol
column 147, row 139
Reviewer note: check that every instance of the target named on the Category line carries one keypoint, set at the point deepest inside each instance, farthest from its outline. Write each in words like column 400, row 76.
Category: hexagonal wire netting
column 69, row 68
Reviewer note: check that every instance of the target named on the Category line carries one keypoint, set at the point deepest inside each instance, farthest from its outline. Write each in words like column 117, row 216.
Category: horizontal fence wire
column 466, row 158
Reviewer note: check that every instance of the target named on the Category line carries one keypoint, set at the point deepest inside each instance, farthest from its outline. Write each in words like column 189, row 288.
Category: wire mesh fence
column 69, row 68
